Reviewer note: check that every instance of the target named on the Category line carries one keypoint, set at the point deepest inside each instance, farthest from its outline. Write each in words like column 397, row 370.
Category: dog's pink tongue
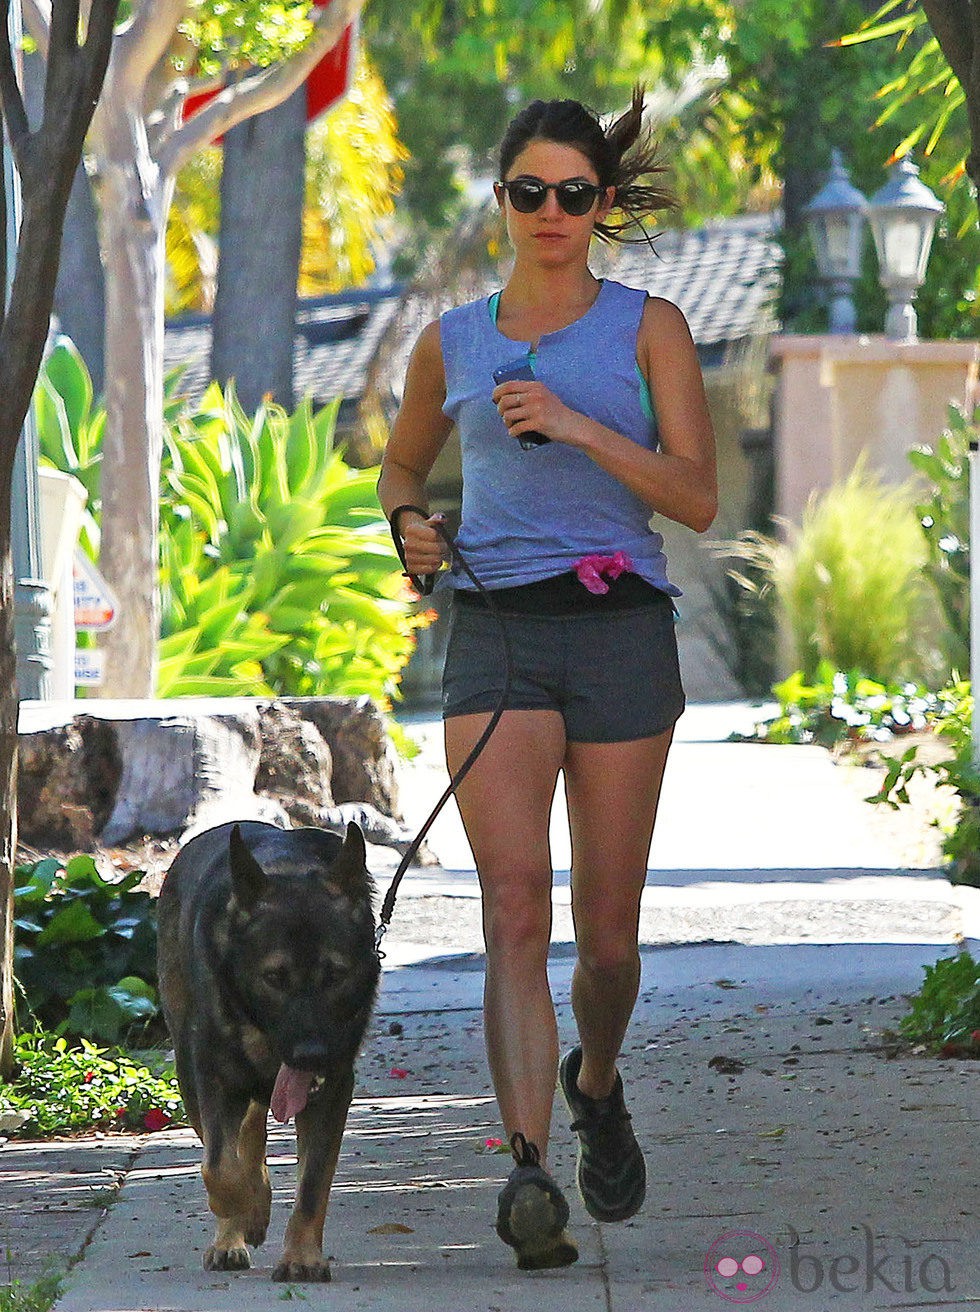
column 290, row 1094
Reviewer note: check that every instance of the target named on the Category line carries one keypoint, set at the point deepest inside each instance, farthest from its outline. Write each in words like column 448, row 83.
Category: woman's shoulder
column 624, row 303
column 662, row 317
column 465, row 329
column 468, row 310
column 654, row 308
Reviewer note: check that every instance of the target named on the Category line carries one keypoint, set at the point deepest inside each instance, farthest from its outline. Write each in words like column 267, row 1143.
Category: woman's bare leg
column 505, row 802
column 612, row 791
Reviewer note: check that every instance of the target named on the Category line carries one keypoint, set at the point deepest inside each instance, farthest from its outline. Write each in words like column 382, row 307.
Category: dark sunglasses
column 529, row 194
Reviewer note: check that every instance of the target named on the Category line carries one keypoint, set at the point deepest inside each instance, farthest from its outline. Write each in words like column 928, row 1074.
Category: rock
column 187, row 773
column 376, row 828
column 295, row 765
column 100, row 779
column 67, row 781
column 365, row 763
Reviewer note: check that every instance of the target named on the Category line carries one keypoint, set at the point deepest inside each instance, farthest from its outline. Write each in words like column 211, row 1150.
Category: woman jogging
column 604, row 426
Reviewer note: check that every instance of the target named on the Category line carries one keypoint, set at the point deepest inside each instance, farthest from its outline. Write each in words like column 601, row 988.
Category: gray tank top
column 529, row 515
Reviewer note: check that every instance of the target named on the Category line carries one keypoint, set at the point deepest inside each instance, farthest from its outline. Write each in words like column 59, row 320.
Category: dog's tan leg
column 251, row 1150
column 319, row 1130
column 239, row 1192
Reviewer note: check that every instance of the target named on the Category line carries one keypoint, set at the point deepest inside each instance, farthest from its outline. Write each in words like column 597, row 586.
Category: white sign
column 88, row 667
column 95, row 604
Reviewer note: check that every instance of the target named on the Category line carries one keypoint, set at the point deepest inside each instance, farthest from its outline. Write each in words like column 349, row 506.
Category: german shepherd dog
column 268, row 972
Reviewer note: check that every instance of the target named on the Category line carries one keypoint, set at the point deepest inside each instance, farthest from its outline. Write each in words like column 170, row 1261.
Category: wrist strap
column 422, row 583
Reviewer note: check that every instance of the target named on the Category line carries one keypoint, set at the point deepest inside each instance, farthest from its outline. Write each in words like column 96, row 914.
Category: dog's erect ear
column 248, row 879
column 349, row 865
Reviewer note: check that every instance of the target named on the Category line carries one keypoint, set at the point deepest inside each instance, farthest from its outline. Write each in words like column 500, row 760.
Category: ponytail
column 636, row 166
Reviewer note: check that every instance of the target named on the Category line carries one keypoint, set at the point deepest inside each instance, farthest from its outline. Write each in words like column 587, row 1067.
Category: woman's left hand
column 529, row 407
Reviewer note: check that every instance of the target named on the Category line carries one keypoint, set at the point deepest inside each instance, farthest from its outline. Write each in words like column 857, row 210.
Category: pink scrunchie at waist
column 593, row 571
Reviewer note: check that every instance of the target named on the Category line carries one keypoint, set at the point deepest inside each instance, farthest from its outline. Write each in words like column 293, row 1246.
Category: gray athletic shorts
column 613, row 675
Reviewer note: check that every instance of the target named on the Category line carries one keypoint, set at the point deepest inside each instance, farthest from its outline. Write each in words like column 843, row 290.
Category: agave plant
column 277, row 574
column 70, row 428
column 282, row 512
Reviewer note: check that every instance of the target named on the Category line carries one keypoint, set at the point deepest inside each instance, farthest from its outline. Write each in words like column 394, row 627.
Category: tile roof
column 336, row 340
column 724, row 276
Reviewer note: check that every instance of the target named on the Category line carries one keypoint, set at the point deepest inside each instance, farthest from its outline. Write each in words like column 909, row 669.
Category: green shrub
column 952, row 720
column 945, row 1013
column 36, row 1297
column 85, row 949
column 305, row 549
column 849, row 580
column 61, row 1088
column 944, row 513
column 211, row 642
column 840, row 706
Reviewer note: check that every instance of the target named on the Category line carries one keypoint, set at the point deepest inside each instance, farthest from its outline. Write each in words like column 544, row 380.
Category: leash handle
column 422, row 583
column 388, row 905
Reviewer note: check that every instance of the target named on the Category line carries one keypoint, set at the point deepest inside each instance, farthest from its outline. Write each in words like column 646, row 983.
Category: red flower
column 89, row 1076
column 156, row 1119
column 398, row 1073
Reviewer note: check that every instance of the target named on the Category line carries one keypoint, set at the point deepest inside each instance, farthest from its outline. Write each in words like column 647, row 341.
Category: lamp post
column 32, row 597
column 903, row 216
column 835, row 218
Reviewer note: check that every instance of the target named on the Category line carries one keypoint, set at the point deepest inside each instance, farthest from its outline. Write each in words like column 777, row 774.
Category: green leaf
column 66, row 374
column 81, row 870
column 73, row 923
column 41, row 878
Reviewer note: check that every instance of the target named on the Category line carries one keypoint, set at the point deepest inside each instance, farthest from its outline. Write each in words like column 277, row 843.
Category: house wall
column 693, row 559
column 839, row 396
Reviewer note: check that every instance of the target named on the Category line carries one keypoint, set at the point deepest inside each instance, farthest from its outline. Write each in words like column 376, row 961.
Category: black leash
column 424, row 586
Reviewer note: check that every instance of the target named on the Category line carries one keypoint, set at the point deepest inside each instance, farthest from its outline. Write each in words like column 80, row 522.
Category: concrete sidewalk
column 773, row 1123
column 779, row 943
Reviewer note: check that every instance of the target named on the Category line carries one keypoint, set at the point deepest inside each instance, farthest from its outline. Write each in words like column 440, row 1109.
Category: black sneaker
column 612, row 1176
column 532, row 1212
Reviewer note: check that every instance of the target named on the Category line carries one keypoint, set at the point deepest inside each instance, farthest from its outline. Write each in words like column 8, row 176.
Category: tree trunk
column 135, row 200
column 79, row 295
column 46, row 160
column 262, row 189
column 8, row 787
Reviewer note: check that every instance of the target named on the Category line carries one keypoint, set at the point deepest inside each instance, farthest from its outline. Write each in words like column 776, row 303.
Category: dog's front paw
column 291, row 1270
column 227, row 1259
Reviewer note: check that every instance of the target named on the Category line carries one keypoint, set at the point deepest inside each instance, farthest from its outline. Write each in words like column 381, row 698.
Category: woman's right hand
column 425, row 550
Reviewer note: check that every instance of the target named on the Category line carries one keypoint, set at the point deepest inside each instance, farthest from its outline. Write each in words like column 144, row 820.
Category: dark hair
column 623, row 156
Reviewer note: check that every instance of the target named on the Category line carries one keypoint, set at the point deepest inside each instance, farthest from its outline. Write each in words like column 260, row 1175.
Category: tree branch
column 260, row 91
column 956, row 26
column 37, row 19
column 52, row 155
column 98, row 44
column 64, row 25
column 951, row 25
column 11, row 101
column 3, row 233
column 147, row 38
